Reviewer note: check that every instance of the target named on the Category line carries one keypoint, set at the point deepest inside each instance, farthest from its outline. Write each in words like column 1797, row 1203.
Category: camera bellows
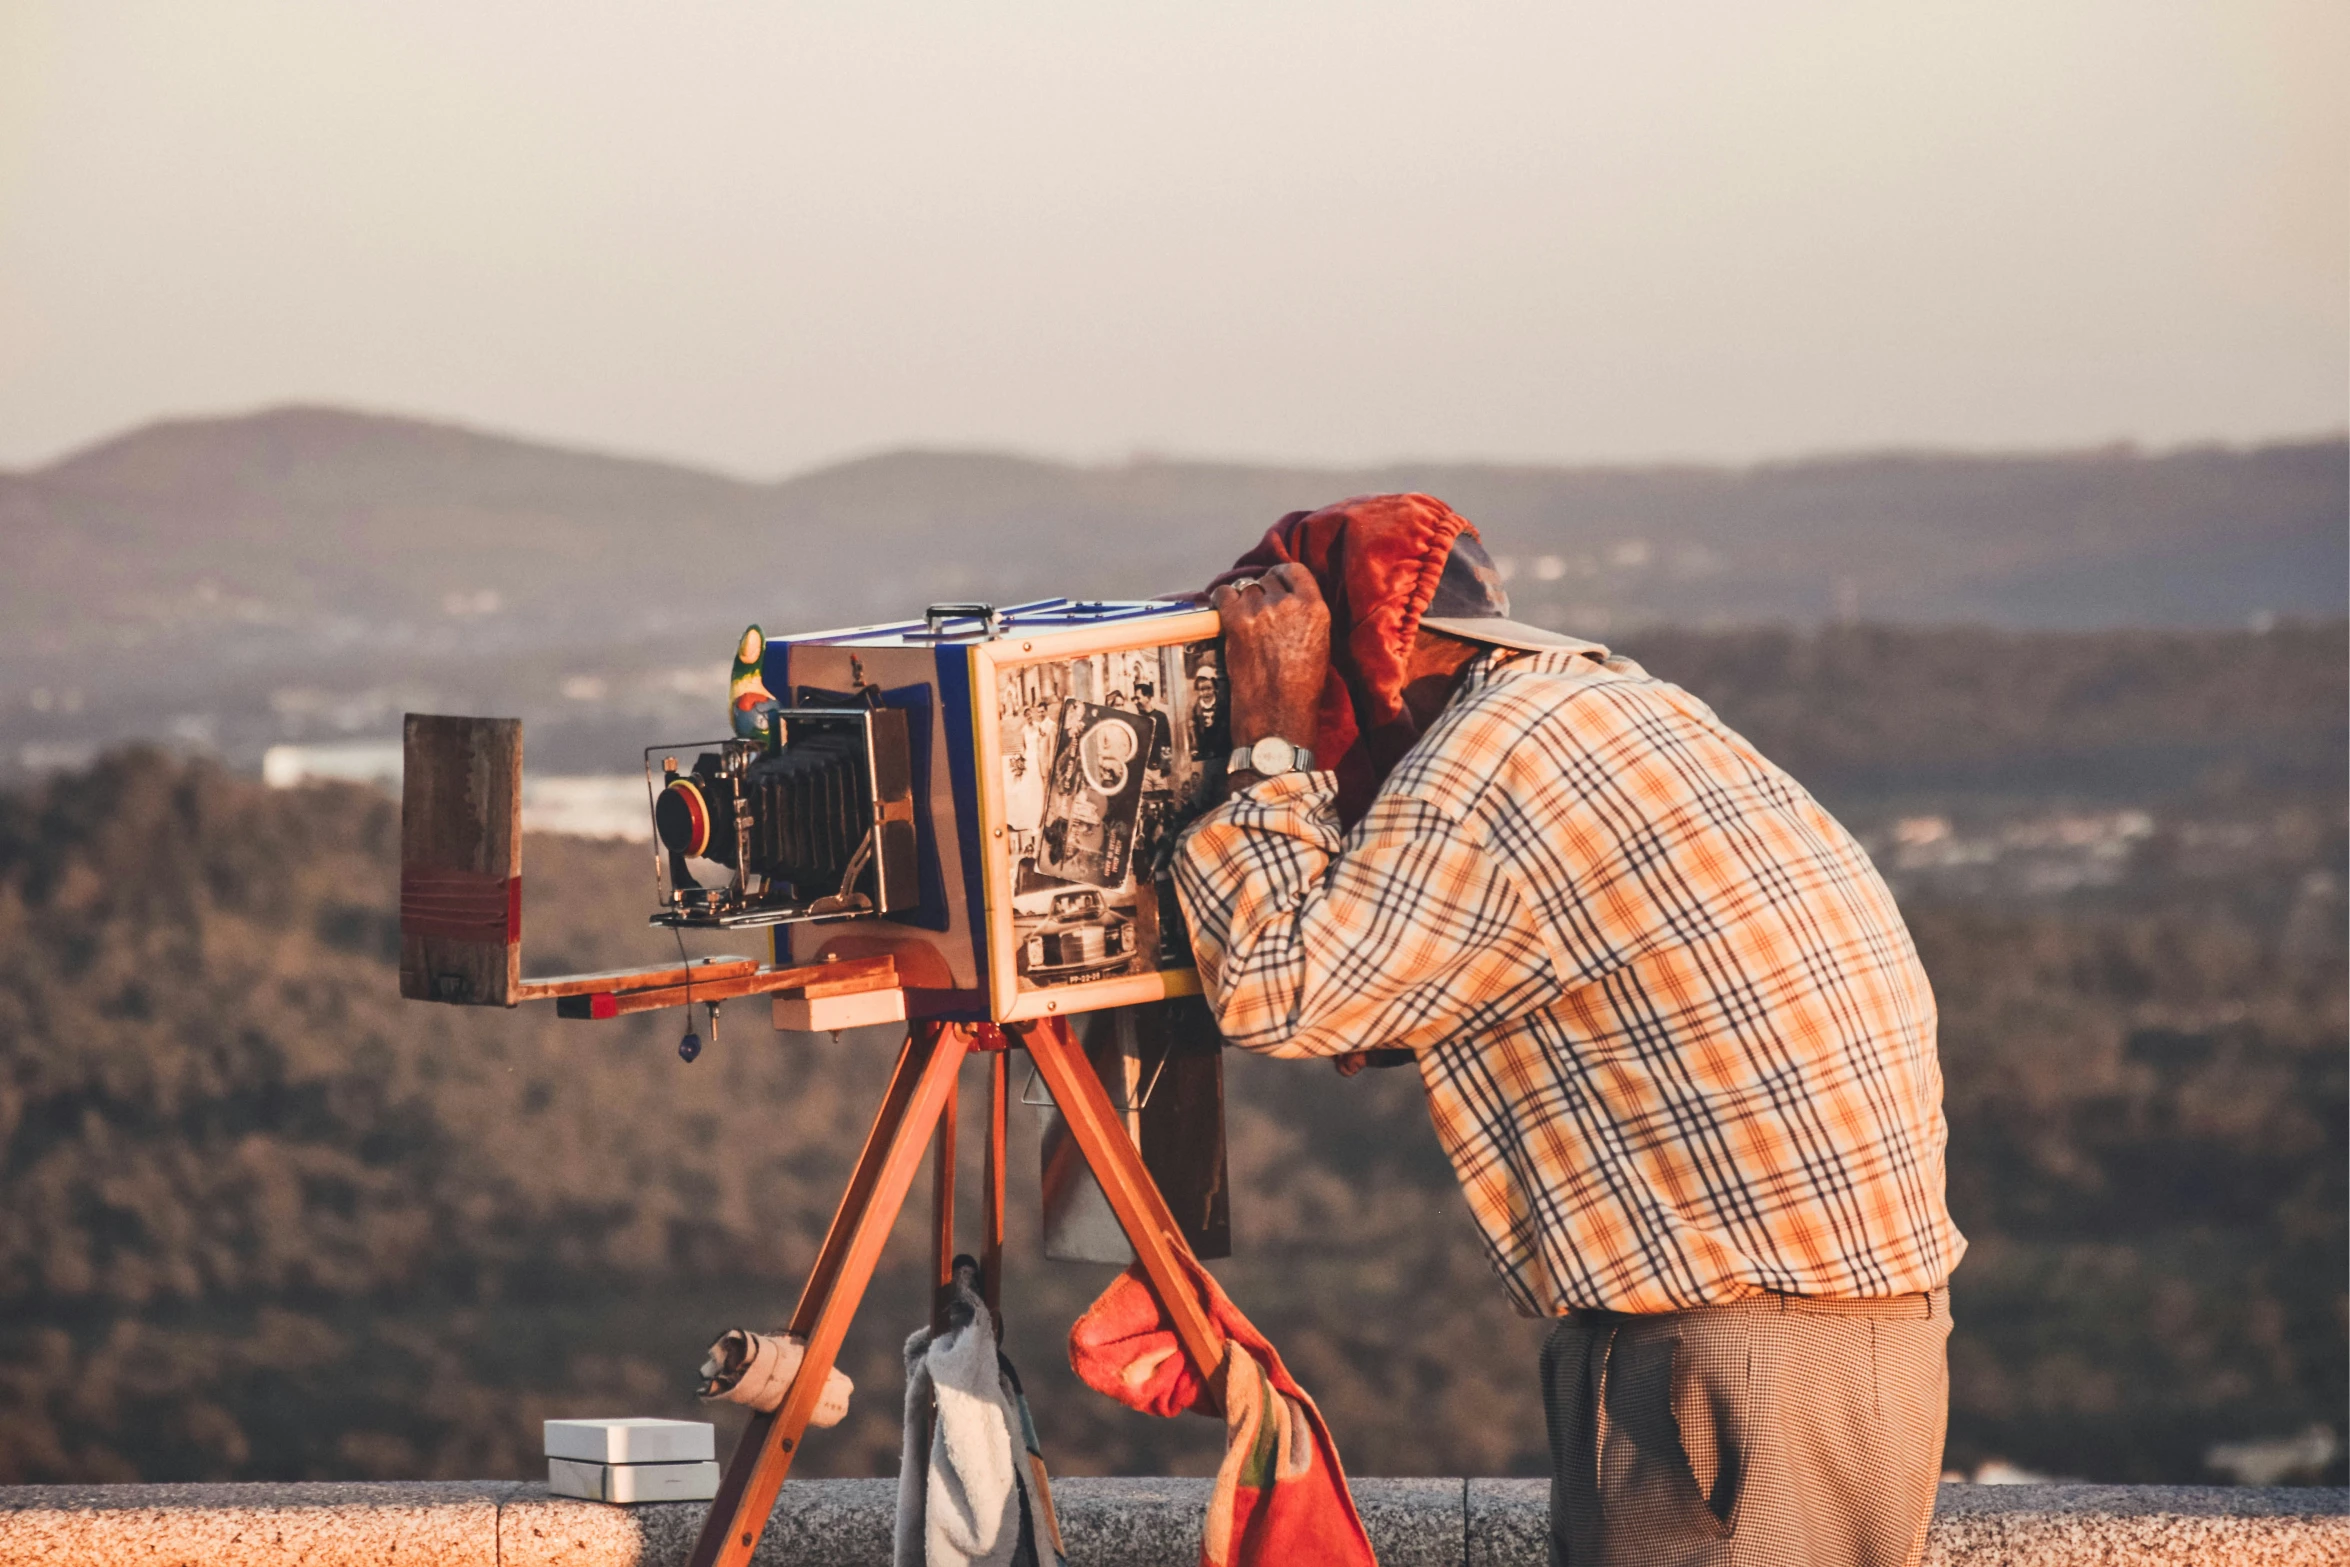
column 814, row 805
column 757, row 1369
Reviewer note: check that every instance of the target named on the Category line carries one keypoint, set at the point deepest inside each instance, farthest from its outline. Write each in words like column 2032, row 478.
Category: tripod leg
column 942, row 1209
column 991, row 1235
column 1101, row 1136
column 925, row 1080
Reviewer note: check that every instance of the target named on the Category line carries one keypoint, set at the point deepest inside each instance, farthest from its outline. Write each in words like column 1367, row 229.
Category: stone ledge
column 2029, row 1525
column 2051, row 1525
column 394, row 1524
column 1107, row 1523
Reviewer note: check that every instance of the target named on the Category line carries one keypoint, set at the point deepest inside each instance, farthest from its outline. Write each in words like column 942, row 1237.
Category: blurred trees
column 261, row 1219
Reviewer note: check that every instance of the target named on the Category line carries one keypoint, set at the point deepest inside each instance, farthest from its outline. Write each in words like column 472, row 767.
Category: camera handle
column 939, row 616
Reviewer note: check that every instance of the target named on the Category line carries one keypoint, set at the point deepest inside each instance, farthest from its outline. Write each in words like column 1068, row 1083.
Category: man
column 1674, row 1035
column 1207, row 715
column 1161, row 752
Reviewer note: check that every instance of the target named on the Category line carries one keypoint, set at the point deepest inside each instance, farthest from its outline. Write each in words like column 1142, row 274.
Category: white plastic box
column 635, row 1460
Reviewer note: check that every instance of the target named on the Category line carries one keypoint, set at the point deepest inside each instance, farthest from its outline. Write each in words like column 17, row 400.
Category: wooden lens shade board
column 461, row 905
column 461, row 943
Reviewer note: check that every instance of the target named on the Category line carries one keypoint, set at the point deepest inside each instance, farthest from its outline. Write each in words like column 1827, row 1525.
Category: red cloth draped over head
column 1377, row 559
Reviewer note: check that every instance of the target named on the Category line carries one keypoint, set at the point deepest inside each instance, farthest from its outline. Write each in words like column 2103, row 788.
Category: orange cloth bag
column 1280, row 1495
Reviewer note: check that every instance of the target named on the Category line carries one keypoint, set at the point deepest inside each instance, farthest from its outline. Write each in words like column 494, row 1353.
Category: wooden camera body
column 1056, row 750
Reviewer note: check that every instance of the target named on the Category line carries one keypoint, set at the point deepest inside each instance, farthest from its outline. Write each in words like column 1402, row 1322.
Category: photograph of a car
column 1080, row 937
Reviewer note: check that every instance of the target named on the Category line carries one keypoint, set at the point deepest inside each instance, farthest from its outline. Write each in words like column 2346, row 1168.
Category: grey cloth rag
column 969, row 1490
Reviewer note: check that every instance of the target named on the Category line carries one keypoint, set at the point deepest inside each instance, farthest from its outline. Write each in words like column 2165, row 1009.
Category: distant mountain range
column 302, row 558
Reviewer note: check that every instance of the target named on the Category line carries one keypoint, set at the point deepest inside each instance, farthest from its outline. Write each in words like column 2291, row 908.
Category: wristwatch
column 1270, row 758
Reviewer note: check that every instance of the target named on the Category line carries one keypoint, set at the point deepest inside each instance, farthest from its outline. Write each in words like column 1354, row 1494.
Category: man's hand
column 1277, row 651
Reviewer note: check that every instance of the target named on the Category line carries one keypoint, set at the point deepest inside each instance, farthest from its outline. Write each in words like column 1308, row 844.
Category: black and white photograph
column 1106, row 757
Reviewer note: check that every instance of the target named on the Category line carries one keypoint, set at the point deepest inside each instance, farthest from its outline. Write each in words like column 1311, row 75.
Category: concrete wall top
column 1108, row 1523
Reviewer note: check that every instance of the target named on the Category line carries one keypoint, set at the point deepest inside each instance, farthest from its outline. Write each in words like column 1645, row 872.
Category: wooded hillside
column 261, row 1219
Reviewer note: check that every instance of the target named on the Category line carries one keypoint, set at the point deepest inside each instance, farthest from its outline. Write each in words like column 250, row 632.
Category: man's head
column 1470, row 602
column 1387, row 568
column 1432, row 672
column 1468, row 613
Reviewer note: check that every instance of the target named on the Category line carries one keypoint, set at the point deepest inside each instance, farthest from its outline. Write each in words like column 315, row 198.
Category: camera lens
column 682, row 817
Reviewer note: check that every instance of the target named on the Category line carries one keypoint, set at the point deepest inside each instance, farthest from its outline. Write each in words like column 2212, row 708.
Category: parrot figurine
column 747, row 696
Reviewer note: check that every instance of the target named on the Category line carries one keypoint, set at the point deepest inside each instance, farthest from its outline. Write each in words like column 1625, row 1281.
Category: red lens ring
column 697, row 812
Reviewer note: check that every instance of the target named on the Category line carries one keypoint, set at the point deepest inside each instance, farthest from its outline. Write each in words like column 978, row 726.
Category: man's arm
column 1307, row 945
column 1313, row 945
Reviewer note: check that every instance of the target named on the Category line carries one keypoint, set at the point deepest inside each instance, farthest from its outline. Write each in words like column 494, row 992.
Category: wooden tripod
column 921, row 1098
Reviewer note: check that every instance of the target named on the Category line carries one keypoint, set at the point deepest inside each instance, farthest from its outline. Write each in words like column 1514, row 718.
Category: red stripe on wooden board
column 461, row 906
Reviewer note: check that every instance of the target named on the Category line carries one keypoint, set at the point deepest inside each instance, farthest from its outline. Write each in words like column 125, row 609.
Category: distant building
column 592, row 805
column 349, row 761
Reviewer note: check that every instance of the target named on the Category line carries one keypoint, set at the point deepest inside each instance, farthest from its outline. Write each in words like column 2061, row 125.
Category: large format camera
column 992, row 796
column 990, row 799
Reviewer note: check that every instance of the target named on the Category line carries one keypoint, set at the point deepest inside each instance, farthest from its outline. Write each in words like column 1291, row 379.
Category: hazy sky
column 765, row 235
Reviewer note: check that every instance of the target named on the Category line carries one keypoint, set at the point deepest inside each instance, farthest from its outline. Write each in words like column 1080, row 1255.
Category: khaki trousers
column 1778, row 1432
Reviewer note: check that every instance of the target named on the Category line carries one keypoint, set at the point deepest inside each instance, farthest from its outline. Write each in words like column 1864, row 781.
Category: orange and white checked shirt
column 1674, row 1035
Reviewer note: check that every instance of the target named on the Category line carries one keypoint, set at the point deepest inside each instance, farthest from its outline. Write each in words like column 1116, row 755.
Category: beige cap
column 1502, row 632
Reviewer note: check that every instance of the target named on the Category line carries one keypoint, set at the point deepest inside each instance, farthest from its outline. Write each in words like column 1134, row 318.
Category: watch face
column 1272, row 755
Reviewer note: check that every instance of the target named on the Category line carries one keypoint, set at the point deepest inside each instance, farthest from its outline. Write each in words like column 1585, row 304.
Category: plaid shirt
column 1674, row 1035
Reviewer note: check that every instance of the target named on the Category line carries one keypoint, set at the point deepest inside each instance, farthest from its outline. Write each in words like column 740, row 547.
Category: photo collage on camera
column 1105, row 758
